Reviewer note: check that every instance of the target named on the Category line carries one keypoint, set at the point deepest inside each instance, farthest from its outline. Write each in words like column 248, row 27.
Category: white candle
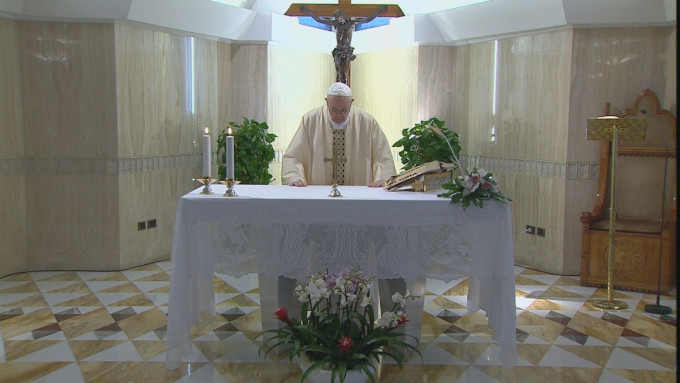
column 230, row 155
column 206, row 153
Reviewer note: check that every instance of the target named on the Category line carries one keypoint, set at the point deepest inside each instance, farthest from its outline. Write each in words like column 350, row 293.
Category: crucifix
column 343, row 20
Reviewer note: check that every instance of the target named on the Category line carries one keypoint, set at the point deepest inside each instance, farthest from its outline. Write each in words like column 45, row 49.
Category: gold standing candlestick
column 206, row 181
column 613, row 129
column 230, row 187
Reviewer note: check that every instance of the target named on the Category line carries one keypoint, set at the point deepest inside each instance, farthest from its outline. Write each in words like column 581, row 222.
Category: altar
column 278, row 230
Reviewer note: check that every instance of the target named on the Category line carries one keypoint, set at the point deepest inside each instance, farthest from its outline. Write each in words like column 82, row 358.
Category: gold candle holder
column 206, row 181
column 335, row 192
column 230, row 187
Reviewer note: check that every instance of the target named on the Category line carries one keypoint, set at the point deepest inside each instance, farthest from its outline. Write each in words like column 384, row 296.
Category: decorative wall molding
column 112, row 166
column 102, row 166
column 568, row 170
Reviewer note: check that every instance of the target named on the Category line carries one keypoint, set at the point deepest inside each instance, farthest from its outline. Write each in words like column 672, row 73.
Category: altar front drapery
column 278, row 230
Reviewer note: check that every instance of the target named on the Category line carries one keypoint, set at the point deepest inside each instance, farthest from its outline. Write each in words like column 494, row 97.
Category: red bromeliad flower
column 345, row 343
column 282, row 315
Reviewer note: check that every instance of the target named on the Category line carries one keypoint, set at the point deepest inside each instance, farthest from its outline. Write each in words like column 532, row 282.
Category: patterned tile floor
column 74, row 327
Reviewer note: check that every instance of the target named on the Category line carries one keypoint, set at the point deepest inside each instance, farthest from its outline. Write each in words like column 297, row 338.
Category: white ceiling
column 446, row 22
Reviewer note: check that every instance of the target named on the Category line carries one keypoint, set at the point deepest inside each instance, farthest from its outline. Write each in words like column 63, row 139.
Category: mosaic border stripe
column 112, row 166
column 108, row 166
column 569, row 170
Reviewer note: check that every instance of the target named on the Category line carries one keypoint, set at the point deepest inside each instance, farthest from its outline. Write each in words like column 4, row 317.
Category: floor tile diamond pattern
column 111, row 326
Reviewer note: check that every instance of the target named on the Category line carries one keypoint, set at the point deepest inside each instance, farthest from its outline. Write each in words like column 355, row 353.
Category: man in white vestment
column 338, row 143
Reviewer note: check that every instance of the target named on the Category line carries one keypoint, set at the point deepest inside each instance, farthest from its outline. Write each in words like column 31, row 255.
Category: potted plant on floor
column 253, row 152
column 338, row 334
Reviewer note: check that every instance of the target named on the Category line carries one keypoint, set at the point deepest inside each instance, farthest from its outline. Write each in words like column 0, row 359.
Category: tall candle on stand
column 230, row 155
column 206, row 153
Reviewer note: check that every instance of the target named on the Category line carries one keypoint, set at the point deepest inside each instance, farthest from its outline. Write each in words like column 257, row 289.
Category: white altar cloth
column 281, row 230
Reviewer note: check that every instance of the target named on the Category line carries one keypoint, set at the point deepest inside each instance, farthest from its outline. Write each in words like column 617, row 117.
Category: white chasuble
column 367, row 152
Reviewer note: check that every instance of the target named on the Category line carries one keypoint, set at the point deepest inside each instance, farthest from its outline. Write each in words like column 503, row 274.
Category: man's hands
column 377, row 184
column 298, row 183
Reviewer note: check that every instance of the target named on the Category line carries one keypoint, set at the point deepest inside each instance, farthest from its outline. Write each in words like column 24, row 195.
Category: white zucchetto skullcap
column 340, row 89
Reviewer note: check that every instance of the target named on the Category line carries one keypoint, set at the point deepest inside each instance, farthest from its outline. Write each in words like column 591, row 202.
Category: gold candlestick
column 206, row 181
column 230, row 187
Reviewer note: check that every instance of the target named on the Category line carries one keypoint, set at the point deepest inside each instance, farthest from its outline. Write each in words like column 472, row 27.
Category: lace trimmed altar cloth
column 278, row 230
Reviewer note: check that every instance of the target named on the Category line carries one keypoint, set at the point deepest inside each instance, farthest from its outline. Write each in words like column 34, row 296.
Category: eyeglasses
column 336, row 112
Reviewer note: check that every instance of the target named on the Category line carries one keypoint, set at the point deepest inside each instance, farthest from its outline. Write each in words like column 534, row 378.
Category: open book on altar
column 425, row 177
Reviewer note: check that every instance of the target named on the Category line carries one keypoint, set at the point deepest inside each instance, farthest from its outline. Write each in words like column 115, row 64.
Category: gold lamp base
column 610, row 305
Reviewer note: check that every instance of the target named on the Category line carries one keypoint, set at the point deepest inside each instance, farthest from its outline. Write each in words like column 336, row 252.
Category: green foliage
column 421, row 144
column 253, row 152
column 338, row 329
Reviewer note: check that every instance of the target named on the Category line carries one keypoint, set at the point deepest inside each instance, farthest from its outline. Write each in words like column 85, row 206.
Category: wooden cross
column 352, row 10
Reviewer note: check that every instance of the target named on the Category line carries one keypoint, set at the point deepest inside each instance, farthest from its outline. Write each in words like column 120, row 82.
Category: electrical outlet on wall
column 540, row 232
column 530, row 230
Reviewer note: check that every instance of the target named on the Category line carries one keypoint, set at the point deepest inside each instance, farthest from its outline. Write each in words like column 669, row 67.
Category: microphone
column 658, row 308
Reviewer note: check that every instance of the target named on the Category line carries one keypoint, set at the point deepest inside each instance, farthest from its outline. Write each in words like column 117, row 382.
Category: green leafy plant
column 338, row 330
column 420, row 144
column 253, row 152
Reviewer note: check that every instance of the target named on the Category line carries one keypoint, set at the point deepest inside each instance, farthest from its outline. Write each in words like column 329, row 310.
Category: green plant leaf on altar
column 253, row 152
column 420, row 144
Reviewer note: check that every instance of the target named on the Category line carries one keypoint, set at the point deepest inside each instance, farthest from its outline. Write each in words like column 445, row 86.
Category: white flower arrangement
column 474, row 186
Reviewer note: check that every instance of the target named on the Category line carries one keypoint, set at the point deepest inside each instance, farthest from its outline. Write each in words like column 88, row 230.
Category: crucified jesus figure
column 344, row 25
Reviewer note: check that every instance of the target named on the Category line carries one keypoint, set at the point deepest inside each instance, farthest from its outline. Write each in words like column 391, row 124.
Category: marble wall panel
column 614, row 65
column 249, row 78
column 297, row 82
column 385, row 84
column 205, row 69
column 530, row 102
column 167, row 91
column 13, row 224
column 224, row 92
column 73, row 221
column 437, row 86
column 546, row 198
column 68, row 89
column 12, row 179
column 461, row 99
column 11, row 121
column 147, row 196
column 476, row 136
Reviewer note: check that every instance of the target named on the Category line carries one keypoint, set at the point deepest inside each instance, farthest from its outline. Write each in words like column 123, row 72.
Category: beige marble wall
column 437, row 84
column 69, row 120
column 12, row 164
column 249, row 74
column 167, row 93
column 297, row 82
